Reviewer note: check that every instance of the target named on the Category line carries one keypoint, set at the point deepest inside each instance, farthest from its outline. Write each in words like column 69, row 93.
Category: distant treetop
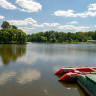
column 5, row 25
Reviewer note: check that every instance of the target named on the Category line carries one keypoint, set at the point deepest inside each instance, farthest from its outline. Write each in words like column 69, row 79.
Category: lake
column 28, row 70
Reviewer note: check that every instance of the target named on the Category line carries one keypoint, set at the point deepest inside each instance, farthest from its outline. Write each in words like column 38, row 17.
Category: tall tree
column 11, row 34
column 13, row 27
column 5, row 25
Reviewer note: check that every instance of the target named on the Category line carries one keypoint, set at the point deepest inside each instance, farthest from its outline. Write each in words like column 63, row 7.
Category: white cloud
column 44, row 30
column 71, row 27
column 18, row 22
column 25, row 5
column 26, row 29
column 29, row 21
column 73, row 22
column 2, row 17
column 70, row 13
column 81, row 28
column 7, row 5
column 22, row 22
column 51, row 24
column 29, row 5
column 28, row 75
column 92, row 7
column 36, row 25
column 45, row 24
column 93, row 14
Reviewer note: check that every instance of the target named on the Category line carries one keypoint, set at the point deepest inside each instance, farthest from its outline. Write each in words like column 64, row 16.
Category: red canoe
column 71, row 73
column 73, row 76
column 65, row 70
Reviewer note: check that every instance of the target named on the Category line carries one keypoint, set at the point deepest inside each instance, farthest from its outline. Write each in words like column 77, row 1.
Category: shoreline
column 54, row 43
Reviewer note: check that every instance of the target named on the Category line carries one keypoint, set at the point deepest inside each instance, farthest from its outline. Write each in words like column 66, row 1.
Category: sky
column 33, row 16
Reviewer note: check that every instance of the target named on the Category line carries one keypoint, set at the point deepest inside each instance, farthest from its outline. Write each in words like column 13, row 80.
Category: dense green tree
column 94, row 35
column 52, row 38
column 11, row 34
column 80, row 39
column 46, row 34
column 5, row 25
column 14, row 27
column 90, row 38
column 43, row 39
column 60, row 37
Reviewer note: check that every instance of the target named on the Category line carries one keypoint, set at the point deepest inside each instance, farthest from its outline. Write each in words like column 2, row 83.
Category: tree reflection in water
column 11, row 52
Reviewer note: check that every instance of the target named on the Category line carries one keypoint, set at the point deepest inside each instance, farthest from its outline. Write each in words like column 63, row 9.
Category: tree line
column 11, row 34
column 61, row 37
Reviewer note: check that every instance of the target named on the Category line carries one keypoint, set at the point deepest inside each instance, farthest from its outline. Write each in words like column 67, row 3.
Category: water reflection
column 35, row 65
column 29, row 60
column 1, row 63
column 10, row 52
column 69, row 54
column 21, row 77
column 57, row 49
column 72, row 85
column 45, row 92
column 28, row 75
column 6, row 76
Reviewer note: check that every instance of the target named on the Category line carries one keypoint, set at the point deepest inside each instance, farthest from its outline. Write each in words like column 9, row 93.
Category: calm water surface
column 28, row 70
